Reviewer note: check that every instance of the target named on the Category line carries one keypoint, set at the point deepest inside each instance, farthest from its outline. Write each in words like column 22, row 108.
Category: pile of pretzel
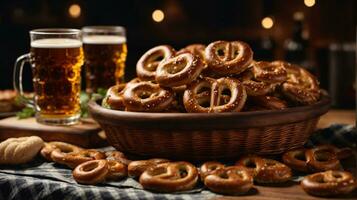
column 162, row 175
column 222, row 77
column 90, row 166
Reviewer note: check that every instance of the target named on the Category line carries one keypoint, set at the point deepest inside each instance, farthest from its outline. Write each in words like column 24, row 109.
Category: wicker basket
column 197, row 136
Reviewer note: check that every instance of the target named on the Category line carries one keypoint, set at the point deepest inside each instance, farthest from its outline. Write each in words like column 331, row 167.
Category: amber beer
column 56, row 67
column 105, row 52
column 56, row 58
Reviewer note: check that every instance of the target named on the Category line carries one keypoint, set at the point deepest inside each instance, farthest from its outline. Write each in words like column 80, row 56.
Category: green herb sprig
column 28, row 112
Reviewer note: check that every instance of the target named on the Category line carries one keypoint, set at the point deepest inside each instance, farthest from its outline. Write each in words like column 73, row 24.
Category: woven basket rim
column 236, row 119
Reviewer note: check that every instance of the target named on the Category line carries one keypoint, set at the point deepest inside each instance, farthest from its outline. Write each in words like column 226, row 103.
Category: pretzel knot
column 322, row 158
column 252, row 163
column 117, row 156
column 232, row 180
column 147, row 64
column 147, row 97
column 273, row 172
column 97, row 171
column 179, row 70
column 256, row 87
column 301, row 86
column 116, row 170
column 137, row 167
column 209, row 95
column 170, row 177
column 296, row 159
column 227, row 58
column 197, row 50
column 62, row 147
column 270, row 72
column 319, row 158
column 74, row 159
column 91, row 172
column 114, row 97
column 329, row 183
column 208, row 167
column 265, row 170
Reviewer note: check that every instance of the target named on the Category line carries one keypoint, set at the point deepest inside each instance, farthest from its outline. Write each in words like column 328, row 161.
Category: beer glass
column 56, row 57
column 105, row 53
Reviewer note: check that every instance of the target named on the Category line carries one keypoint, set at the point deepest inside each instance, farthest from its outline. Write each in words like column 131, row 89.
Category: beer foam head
column 56, row 43
column 104, row 39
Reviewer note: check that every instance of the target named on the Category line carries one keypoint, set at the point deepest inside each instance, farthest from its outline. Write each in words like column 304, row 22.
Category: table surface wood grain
column 294, row 191
column 84, row 134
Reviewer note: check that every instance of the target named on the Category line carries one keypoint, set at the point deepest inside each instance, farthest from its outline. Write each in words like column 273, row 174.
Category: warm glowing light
column 74, row 11
column 299, row 16
column 309, row 3
column 158, row 15
column 267, row 22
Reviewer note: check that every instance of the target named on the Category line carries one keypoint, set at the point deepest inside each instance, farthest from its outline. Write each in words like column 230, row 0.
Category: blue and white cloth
column 44, row 180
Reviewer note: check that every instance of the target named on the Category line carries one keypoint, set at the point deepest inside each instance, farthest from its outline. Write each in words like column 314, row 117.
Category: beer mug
column 56, row 58
column 105, row 53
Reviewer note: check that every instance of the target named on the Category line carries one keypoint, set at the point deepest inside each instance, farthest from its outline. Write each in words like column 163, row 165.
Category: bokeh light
column 74, row 11
column 267, row 22
column 158, row 15
column 309, row 3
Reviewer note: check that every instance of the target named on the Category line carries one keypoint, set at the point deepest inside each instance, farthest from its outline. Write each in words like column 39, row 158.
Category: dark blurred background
column 320, row 35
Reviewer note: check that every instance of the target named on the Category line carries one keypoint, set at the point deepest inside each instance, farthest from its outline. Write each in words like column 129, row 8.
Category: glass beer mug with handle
column 105, row 53
column 56, row 58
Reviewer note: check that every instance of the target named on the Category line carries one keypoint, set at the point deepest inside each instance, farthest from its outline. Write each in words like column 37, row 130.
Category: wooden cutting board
column 86, row 133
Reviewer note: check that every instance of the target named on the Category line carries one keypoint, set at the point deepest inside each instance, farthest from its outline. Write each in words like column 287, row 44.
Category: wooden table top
column 337, row 116
column 294, row 191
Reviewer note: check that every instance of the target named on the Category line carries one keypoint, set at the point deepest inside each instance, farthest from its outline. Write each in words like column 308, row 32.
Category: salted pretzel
column 147, row 64
column 194, row 100
column 269, row 102
column 319, row 158
column 208, row 167
column 341, row 153
column 136, row 168
column 233, row 180
column 265, row 170
column 227, row 58
column 170, row 177
column 63, row 148
column 114, row 97
column 195, row 49
column 179, row 70
column 296, row 159
column 116, row 170
column 273, row 172
column 74, row 159
column 301, row 87
column 322, row 158
column 91, row 172
column 270, row 72
column 329, row 183
column 252, row 163
column 255, row 87
column 117, row 156
column 147, row 97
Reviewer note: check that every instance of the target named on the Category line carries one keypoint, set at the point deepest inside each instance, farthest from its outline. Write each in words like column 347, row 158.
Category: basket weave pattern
column 202, row 136
column 208, row 144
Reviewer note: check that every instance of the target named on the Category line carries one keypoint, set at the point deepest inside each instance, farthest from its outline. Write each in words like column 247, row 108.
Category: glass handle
column 17, row 79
